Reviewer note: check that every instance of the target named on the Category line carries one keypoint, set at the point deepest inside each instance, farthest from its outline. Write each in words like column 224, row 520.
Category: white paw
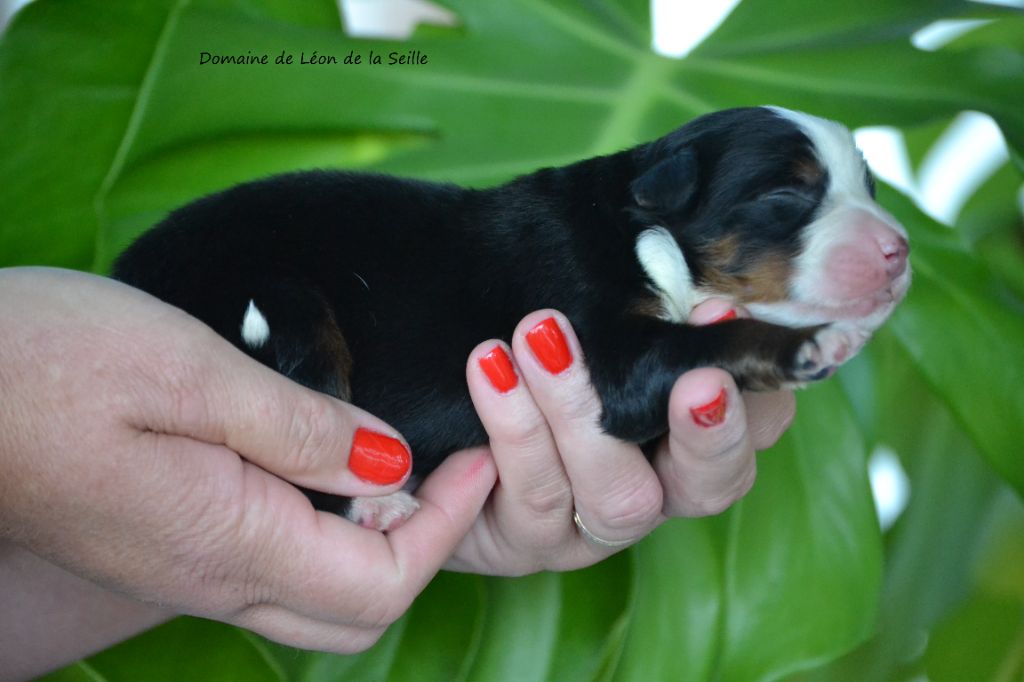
column 382, row 513
column 820, row 357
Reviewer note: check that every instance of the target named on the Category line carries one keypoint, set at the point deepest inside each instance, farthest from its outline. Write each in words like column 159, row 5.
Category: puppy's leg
column 291, row 328
column 634, row 364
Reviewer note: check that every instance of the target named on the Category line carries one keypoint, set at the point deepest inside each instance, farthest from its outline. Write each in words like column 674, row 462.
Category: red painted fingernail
column 729, row 314
column 711, row 414
column 548, row 344
column 377, row 458
column 498, row 369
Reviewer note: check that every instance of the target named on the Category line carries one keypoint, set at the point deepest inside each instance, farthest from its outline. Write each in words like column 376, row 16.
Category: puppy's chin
column 855, row 320
column 867, row 313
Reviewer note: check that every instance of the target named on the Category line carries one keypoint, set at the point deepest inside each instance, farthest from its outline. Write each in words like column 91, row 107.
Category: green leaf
column 106, row 129
column 803, row 559
column 676, row 605
column 65, row 103
column 519, row 628
column 741, row 598
column 594, row 610
column 932, row 550
column 992, row 221
column 983, row 640
column 183, row 649
column 520, row 85
column 551, row 626
column 79, row 672
column 964, row 330
column 997, row 570
column 443, row 632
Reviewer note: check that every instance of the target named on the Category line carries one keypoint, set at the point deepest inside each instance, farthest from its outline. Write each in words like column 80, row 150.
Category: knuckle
column 579, row 405
column 178, row 390
column 717, row 448
column 634, row 506
column 360, row 641
column 709, row 506
column 215, row 567
column 384, row 603
column 240, row 560
column 546, row 538
column 712, row 505
column 311, row 435
column 520, row 429
column 768, row 424
column 548, row 498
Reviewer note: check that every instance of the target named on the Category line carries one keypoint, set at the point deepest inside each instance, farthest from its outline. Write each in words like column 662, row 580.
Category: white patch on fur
column 387, row 512
column 255, row 329
column 662, row 259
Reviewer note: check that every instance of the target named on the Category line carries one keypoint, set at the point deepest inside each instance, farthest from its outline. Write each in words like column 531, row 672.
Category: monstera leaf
column 113, row 114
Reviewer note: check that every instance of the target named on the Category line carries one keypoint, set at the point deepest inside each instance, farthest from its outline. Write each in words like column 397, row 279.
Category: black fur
column 415, row 274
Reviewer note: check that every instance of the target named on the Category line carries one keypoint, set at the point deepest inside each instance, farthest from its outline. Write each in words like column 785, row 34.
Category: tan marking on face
column 722, row 254
column 748, row 280
column 767, row 280
column 808, row 170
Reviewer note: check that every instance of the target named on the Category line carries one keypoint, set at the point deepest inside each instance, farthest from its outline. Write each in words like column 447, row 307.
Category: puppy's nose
column 895, row 249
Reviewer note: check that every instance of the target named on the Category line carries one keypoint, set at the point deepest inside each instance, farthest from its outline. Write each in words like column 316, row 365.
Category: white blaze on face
column 853, row 266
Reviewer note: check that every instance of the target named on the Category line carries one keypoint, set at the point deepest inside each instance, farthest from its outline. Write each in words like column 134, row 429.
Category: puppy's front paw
column 382, row 513
column 820, row 356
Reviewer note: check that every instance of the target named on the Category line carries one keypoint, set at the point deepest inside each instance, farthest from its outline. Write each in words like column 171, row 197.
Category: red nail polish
column 729, row 314
column 711, row 414
column 498, row 369
column 377, row 458
column 548, row 344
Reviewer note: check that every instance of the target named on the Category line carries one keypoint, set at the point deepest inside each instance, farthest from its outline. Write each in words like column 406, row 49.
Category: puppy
column 374, row 289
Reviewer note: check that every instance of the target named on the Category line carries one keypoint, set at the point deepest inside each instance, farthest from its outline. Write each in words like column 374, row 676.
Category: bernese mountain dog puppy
column 374, row 289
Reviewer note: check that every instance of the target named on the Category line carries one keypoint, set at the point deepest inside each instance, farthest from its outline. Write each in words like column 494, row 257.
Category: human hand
column 142, row 451
column 554, row 459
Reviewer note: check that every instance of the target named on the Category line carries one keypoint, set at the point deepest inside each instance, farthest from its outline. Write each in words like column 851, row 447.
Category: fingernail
column 548, row 344
column 729, row 314
column 711, row 414
column 498, row 369
column 377, row 458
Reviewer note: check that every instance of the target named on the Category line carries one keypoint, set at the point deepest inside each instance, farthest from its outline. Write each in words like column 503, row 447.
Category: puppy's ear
column 669, row 185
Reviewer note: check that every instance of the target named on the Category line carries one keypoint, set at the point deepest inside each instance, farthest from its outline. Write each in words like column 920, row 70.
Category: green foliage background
column 108, row 120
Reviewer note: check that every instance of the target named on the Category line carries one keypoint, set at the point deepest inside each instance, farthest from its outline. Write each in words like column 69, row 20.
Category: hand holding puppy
column 140, row 451
column 556, row 464
column 142, row 456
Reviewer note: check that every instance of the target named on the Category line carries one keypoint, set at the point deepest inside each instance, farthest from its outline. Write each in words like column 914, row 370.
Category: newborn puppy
column 374, row 289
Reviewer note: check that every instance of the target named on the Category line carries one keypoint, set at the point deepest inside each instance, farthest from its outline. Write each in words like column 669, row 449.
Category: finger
column 617, row 495
column 292, row 629
column 707, row 462
column 212, row 392
column 713, row 311
column 328, row 568
column 769, row 415
column 534, row 488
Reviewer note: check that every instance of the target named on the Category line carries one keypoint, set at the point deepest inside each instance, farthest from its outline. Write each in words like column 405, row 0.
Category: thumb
column 308, row 438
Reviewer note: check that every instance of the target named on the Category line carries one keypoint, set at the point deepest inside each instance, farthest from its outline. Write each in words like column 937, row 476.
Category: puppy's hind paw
column 387, row 512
